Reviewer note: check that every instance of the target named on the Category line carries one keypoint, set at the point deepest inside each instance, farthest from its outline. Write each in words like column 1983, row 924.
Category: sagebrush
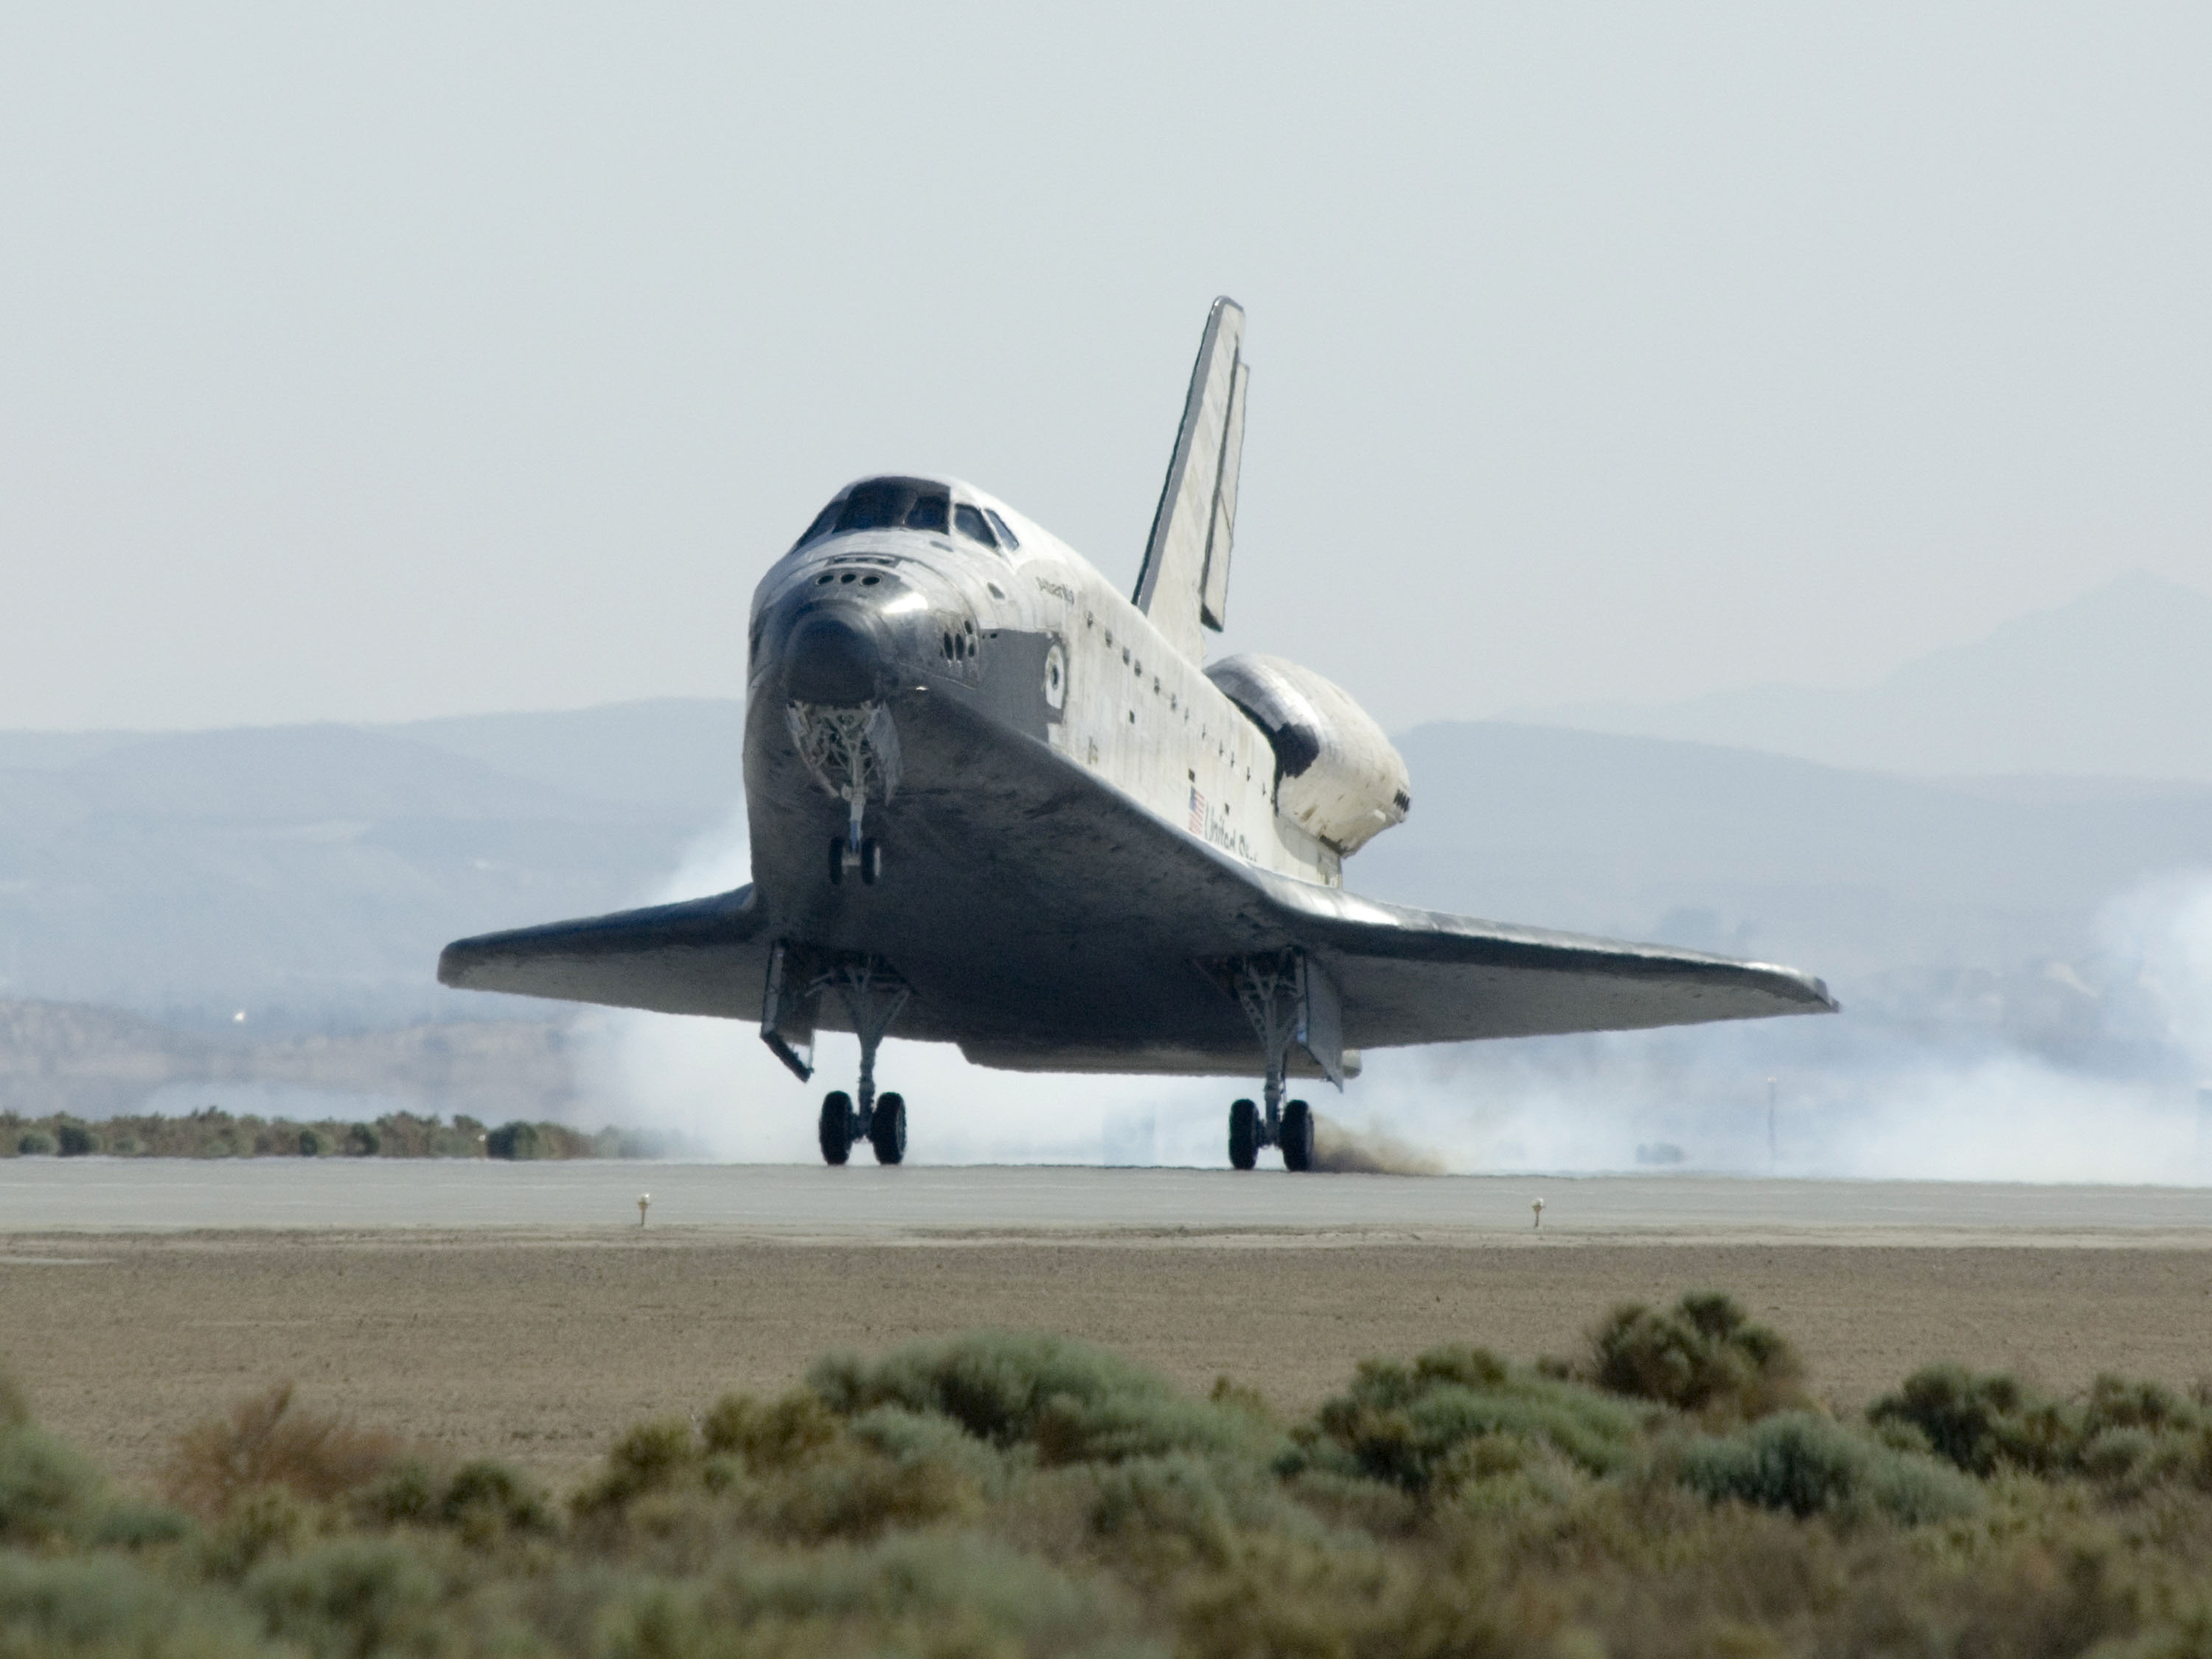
column 1678, row 1491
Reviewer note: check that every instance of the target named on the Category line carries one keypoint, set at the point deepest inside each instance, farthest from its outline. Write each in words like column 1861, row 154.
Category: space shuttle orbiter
column 993, row 802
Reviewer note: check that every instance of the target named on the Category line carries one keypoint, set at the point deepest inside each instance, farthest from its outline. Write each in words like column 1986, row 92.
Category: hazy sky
column 370, row 361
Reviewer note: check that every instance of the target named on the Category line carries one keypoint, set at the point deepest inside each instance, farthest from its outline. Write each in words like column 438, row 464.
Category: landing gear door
column 788, row 1012
column 1321, row 1018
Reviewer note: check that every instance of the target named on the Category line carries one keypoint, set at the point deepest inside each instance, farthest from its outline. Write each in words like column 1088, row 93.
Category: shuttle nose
column 833, row 656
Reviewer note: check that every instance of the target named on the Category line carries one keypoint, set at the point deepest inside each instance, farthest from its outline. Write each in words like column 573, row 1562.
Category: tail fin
column 1184, row 584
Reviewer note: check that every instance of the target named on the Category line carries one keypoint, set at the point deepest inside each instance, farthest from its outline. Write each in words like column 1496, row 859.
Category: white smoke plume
column 1863, row 1096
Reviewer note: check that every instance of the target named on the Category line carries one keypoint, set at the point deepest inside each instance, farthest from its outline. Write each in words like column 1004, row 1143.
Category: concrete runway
column 864, row 1203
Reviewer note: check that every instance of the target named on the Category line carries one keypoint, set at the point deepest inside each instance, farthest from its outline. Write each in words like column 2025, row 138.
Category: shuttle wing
column 702, row 956
column 1411, row 975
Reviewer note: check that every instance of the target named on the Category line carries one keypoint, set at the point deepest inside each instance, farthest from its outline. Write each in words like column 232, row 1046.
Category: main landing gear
column 1289, row 1126
column 882, row 1127
column 1267, row 987
column 873, row 994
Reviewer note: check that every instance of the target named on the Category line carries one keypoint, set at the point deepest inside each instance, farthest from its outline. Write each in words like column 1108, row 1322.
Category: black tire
column 836, row 1126
column 887, row 1132
column 872, row 862
column 1243, row 1135
column 837, row 861
column 1297, row 1136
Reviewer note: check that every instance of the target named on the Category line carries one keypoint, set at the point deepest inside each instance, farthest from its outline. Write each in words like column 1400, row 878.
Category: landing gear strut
column 1269, row 989
column 873, row 995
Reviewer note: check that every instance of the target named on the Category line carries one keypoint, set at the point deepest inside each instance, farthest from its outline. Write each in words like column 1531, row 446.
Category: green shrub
column 1172, row 1505
column 311, row 1144
column 75, row 1141
column 483, row 1500
column 1702, row 1356
column 2118, row 1402
column 1982, row 1423
column 861, row 1495
column 34, row 1142
column 929, row 1594
column 1069, row 1401
column 2118, row 1455
column 131, row 1525
column 779, row 1434
column 51, row 1492
column 649, row 1457
column 352, row 1596
column 486, row 1499
column 48, row 1490
column 126, row 1146
column 108, row 1605
column 906, row 1436
column 1806, row 1464
column 363, row 1141
column 406, row 1492
column 1414, row 1427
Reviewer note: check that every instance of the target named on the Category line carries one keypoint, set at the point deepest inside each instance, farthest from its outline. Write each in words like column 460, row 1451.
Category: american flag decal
column 1197, row 811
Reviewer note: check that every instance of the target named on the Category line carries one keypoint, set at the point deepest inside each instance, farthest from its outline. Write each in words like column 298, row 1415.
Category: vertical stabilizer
column 1184, row 585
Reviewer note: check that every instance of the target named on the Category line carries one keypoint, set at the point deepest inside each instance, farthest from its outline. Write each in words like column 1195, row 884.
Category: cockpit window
column 894, row 504
column 969, row 523
column 819, row 528
column 1006, row 538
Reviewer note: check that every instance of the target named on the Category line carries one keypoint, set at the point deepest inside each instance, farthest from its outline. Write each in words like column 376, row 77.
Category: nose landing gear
column 864, row 855
column 853, row 753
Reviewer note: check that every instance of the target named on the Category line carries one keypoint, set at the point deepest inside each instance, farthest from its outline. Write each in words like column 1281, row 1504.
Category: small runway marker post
column 1538, row 1207
column 644, row 1201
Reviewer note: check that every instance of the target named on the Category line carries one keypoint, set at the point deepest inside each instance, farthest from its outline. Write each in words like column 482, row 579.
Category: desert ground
column 538, row 1343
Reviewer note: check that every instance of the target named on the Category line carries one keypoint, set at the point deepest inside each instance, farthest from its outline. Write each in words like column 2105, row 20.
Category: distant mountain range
column 2118, row 683
column 308, row 875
